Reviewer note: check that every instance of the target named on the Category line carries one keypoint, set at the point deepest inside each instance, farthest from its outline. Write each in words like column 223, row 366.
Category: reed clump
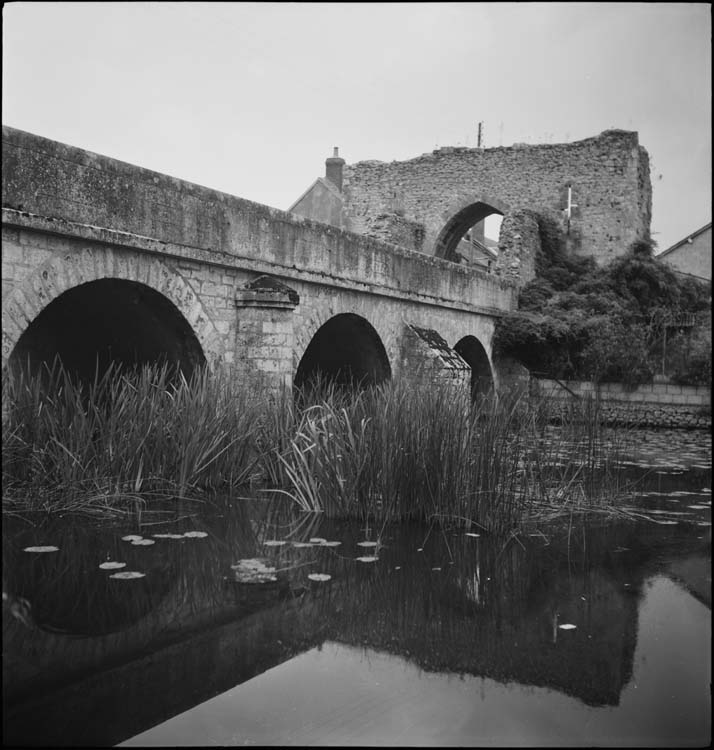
column 125, row 437
column 398, row 451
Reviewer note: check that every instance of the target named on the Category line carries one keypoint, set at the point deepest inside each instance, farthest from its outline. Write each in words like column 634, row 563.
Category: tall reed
column 399, row 451
column 125, row 435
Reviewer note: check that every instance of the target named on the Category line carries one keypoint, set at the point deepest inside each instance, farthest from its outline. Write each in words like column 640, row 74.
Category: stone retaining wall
column 651, row 405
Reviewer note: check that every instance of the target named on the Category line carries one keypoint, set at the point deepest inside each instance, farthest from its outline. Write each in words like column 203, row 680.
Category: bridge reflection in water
column 100, row 661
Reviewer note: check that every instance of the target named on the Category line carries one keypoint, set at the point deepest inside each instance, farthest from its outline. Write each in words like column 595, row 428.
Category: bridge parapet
column 57, row 181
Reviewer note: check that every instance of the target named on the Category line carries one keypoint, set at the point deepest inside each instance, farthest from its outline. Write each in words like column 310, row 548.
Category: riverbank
column 658, row 405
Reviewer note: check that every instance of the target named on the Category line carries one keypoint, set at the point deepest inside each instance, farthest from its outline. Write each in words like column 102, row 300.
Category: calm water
column 447, row 638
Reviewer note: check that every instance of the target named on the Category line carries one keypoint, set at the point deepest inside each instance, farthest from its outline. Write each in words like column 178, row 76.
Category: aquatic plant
column 398, row 451
column 127, row 437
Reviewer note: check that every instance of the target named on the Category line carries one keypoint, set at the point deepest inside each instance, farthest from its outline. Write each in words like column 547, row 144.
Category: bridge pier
column 264, row 334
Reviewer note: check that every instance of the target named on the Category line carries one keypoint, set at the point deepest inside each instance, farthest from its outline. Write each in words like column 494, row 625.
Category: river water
column 237, row 629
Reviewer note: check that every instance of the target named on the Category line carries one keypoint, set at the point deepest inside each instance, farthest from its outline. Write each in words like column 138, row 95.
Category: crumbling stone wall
column 608, row 175
column 396, row 229
column 518, row 243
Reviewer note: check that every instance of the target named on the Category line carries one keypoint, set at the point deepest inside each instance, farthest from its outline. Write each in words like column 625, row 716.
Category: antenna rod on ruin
column 480, row 125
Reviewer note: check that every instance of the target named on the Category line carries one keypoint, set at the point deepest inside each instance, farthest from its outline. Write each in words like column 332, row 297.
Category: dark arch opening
column 346, row 351
column 472, row 351
column 104, row 322
column 455, row 242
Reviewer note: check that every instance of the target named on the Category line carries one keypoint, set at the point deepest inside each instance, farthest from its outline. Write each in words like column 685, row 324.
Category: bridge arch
column 347, row 350
column 463, row 214
column 144, row 309
column 482, row 373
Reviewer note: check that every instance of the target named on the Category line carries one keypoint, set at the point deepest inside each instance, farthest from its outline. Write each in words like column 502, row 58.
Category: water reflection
column 456, row 630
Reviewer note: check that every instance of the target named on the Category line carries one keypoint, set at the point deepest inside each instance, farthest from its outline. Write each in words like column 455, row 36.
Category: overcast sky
column 250, row 98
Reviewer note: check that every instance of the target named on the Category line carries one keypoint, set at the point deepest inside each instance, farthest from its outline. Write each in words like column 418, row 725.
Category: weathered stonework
column 431, row 360
column 608, row 176
column 518, row 244
column 254, row 284
column 649, row 405
column 397, row 230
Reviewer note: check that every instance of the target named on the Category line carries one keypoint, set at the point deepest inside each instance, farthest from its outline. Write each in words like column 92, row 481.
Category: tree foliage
column 578, row 321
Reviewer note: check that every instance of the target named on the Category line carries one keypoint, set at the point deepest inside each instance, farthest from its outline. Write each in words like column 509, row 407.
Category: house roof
column 684, row 241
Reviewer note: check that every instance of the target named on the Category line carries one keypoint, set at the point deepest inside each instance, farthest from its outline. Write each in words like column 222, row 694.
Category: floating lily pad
column 274, row 542
column 699, row 507
column 125, row 575
column 470, row 533
column 131, row 538
column 112, row 565
column 319, row 576
column 317, row 540
column 48, row 548
column 253, row 570
column 195, row 534
column 567, row 626
column 367, row 559
column 168, row 536
column 332, row 544
column 366, row 544
column 302, row 544
column 436, row 568
column 143, row 542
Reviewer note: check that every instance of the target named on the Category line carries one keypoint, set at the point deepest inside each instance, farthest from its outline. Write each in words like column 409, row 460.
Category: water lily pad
column 699, row 507
column 420, row 549
column 470, row 533
column 143, row 542
column 302, row 544
column 567, row 626
column 112, row 565
column 317, row 540
column 274, row 542
column 125, row 575
column 367, row 544
column 436, row 568
column 367, row 559
column 332, row 544
column 168, row 536
column 131, row 538
column 195, row 534
column 319, row 576
column 253, row 570
column 48, row 548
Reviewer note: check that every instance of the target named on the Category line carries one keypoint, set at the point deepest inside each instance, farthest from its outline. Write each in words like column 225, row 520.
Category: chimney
column 333, row 169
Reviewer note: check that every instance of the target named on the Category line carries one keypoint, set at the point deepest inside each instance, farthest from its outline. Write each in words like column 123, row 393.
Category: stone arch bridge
column 103, row 259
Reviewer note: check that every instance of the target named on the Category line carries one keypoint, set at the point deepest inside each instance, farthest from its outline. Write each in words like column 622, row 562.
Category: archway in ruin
column 105, row 321
column 347, row 351
column 458, row 242
column 473, row 352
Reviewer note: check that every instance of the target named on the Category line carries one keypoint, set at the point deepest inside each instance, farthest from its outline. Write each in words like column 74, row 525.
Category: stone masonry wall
column 609, row 176
column 649, row 405
column 518, row 244
column 71, row 217
column 397, row 230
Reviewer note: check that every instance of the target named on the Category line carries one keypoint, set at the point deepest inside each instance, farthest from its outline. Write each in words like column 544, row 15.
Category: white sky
column 250, row 98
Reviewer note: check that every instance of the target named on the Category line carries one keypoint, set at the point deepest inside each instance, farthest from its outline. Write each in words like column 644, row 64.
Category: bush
column 578, row 321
